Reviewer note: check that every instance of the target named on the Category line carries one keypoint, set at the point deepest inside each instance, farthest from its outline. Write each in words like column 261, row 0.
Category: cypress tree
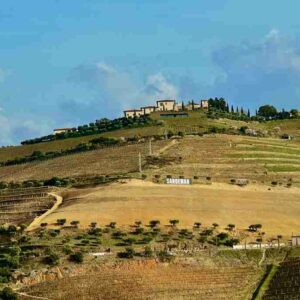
column 182, row 106
column 232, row 109
column 248, row 114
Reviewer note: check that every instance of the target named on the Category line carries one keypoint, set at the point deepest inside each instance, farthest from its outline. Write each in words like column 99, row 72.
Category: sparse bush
column 52, row 258
column 230, row 227
column 165, row 256
column 112, row 225
column 148, row 252
column 61, row 222
column 76, row 257
column 254, row 227
column 75, row 223
column 128, row 253
column 8, row 294
column 129, row 241
column 197, row 225
column 93, row 225
column 67, row 249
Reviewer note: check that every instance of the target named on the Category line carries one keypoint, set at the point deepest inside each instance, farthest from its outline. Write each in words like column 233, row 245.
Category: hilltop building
column 62, row 130
column 148, row 109
column 204, row 104
column 131, row 113
column 165, row 106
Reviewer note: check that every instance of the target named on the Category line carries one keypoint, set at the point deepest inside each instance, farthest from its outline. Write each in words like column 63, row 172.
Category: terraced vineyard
column 23, row 205
column 286, row 282
column 225, row 157
column 153, row 281
column 107, row 161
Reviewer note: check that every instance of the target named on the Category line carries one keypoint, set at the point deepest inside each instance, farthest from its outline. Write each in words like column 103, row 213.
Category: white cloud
column 267, row 71
column 159, row 87
column 118, row 88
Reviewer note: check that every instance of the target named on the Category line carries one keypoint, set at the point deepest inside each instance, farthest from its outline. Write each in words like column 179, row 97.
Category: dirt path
column 37, row 221
column 162, row 150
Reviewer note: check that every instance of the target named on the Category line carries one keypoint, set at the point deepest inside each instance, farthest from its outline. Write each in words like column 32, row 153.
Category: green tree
column 174, row 222
column 154, row 223
column 267, row 111
column 294, row 113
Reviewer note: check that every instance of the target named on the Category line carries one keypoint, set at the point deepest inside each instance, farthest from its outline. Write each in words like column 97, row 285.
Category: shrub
column 165, row 256
column 231, row 242
column 61, row 222
column 67, row 249
column 112, row 225
column 197, row 225
column 76, row 257
column 215, row 225
column 8, row 294
column 254, row 227
column 75, row 223
column 148, row 252
column 128, row 253
column 230, row 227
column 130, row 241
column 51, row 258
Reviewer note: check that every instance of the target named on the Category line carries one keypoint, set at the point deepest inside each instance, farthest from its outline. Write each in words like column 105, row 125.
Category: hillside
column 197, row 122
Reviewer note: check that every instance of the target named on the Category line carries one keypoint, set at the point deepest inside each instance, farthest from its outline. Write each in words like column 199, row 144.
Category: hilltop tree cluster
column 219, row 108
column 100, row 126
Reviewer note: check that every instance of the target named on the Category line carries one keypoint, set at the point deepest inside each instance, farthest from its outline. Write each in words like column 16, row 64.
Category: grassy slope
column 196, row 122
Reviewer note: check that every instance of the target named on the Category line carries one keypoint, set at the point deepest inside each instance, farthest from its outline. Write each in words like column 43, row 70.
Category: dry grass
column 277, row 210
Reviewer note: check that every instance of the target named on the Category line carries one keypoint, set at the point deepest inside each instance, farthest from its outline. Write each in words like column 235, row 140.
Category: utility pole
column 140, row 162
column 150, row 147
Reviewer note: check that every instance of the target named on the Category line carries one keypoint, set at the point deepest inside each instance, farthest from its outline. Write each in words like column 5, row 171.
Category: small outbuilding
column 296, row 240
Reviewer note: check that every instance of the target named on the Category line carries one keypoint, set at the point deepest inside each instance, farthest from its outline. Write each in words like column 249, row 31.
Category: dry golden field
column 277, row 209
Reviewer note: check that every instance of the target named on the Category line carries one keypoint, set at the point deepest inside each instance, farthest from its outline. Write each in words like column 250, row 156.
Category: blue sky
column 69, row 62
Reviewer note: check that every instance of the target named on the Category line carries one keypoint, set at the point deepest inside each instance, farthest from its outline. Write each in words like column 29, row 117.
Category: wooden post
column 140, row 162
